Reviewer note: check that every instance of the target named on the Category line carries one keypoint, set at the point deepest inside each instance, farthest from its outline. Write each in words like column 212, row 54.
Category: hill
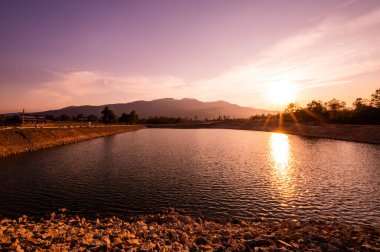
column 167, row 107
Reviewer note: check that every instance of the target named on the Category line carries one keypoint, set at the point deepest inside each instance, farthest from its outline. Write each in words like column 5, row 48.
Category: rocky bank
column 174, row 231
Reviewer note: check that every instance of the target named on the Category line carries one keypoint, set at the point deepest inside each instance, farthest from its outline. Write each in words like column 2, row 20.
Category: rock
column 262, row 243
column 369, row 248
column 133, row 242
column 172, row 236
column 62, row 233
column 200, row 241
column 287, row 245
column 107, row 241
column 117, row 241
column 184, row 238
column 185, row 219
column 205, row 247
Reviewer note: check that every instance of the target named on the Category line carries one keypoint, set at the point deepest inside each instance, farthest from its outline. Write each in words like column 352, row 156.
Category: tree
column 2, row 119
column 64, row 118
column 375, row 98
column 132, row 117
column 13, row 120
column 335, row 105
column 292, row 108
column 108, row 116
column 80, row 118
column 50, row 117
column 360, row 103
column 316, row 107
column 124, row 118
column 92, row 118
column 336, row 110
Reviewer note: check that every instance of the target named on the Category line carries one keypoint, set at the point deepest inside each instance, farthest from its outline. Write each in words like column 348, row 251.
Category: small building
column 30, row 119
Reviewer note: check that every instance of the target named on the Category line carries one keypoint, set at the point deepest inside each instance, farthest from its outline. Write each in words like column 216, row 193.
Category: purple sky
column 61, row 53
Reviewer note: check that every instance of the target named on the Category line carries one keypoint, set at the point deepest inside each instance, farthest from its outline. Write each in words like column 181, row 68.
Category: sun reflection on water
column 281, row 160
column 279, row 145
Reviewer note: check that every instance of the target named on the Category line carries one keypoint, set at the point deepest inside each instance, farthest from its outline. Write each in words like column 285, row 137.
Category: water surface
column 215, row 172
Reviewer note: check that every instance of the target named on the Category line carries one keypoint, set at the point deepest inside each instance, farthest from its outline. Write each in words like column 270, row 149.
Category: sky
column 55, row 54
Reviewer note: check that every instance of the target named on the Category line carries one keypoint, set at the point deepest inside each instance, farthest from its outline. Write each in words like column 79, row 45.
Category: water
column 214, row 172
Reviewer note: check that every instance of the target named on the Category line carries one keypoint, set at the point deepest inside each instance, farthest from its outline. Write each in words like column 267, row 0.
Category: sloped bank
column 14, row 141
column 172, row 231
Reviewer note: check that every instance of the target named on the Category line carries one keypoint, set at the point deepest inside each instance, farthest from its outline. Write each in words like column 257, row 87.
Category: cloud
column 327, row 54
column 87, row 87
column 348, row 3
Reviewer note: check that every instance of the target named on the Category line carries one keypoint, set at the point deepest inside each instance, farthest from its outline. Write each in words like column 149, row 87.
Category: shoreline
column 16, row 140
column 20, row 140
column 172, row 230
column 353, row 133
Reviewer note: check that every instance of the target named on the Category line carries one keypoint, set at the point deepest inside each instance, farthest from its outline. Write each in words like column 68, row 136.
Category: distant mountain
column 167, row 107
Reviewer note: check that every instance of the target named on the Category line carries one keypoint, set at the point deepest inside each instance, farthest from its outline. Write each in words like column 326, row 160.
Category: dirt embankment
column 179, row 232
column 355, row 133
column 19, row 140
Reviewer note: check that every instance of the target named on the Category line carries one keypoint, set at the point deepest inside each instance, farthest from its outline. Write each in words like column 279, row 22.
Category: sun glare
column 282, row 93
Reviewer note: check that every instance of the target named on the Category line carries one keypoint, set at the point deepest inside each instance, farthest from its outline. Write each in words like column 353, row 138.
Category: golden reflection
column 280, row 152
column 281, row 160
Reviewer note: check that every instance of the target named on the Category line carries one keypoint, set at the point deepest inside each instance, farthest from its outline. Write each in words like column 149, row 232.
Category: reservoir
column 218, row 173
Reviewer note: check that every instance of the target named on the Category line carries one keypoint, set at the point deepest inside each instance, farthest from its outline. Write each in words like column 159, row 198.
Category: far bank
column 18, row 140
column 355, row 133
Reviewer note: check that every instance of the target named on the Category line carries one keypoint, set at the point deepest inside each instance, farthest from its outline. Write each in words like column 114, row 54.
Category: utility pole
column 23, row 114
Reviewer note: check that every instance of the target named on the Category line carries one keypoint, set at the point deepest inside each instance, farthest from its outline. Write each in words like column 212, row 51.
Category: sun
column 282, row 93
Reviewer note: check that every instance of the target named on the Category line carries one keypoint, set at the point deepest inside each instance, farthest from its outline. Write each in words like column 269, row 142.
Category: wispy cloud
column 327, row 54
column 349, row 2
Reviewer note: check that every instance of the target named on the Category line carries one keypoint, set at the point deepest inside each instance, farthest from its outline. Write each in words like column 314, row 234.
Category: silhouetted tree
column 292, row 108
column 108, row 116
column 13, row 120
column 50, row 118
column 358, row 103
column 92, row 118
column 375, row 98
column 64, row 118
column 124, row 118
column 2, row 119
column 132, row 117
column 80, row 118
column 335, row 108
column 316, row 107
column 335, row 105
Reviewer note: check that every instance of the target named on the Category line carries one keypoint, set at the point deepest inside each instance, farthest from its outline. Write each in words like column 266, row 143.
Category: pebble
column 176, row 231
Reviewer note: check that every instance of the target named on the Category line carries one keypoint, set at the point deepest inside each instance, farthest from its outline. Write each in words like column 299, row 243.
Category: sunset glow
column 249, row 53
column 282, row 94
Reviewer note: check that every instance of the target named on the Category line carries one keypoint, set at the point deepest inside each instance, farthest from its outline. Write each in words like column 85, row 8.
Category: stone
column 369, row 248
column 200, row 241
column 184, row 238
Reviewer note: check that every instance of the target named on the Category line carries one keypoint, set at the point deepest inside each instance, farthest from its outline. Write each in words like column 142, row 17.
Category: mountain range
column 167, row 107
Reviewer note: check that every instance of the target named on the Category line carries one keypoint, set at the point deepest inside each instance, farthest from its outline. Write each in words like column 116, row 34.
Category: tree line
column 107, row 117
column 363, row 111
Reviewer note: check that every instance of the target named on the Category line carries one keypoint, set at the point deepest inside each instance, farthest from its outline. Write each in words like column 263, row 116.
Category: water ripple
column 218, row 173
